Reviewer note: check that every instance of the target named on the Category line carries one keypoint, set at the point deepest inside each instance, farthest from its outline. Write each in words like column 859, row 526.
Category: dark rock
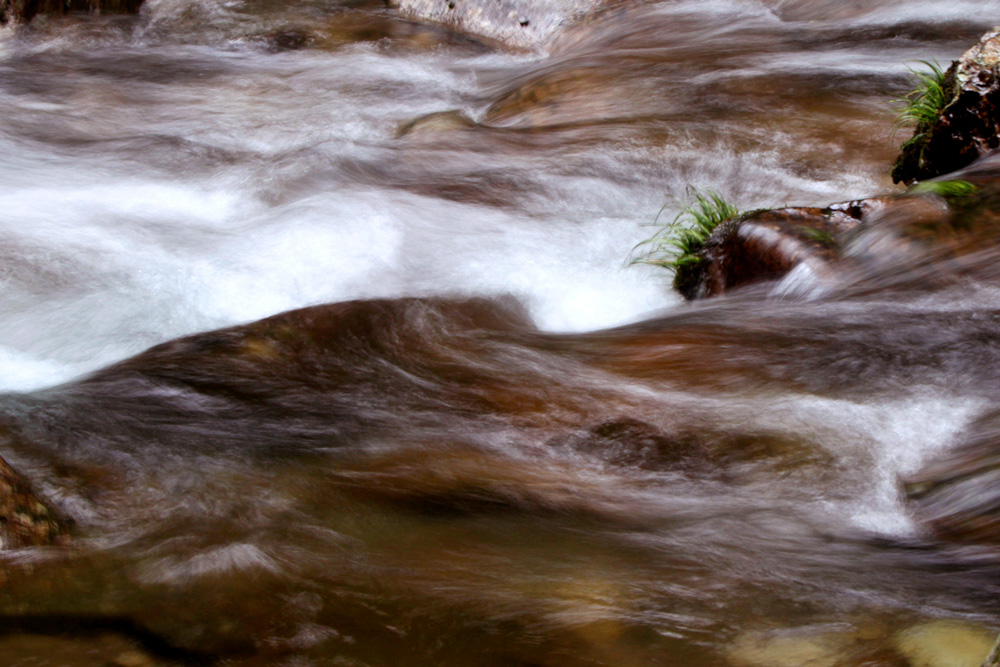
column 22, row 11
column 969, row 125
column 523, row 24
column 289, row 39
column 765, row 245
column 25, row 521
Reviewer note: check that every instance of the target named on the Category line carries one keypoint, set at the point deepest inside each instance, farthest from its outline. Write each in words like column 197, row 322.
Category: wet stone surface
column 516, row 23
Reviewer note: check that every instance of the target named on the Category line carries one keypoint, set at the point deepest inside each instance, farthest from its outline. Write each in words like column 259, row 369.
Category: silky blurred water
column 170, row 173
column 426, row 479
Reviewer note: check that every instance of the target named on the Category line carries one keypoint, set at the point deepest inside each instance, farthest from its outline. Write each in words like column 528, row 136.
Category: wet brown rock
column 765, row 245
column 433, row 125
column 448, row 480
column 933, row 235
column 563, row 96
column 22, row 11
column 25, row 521
column 969, row 125
column 522, row 24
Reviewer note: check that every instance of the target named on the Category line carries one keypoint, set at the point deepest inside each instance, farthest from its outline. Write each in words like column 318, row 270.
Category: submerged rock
column 765, row 245
column 522, row 24
column 958, row 497
column 25, row 521
column 107, row 649
column 834, row 645
column 433, row 125
column 967, row 127
column 298, row 28
column 944, row 643
column 22, row 11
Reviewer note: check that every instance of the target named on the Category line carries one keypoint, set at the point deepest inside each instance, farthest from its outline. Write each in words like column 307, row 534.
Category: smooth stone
column 785, row 651
column 945, row 643
column 520, row 24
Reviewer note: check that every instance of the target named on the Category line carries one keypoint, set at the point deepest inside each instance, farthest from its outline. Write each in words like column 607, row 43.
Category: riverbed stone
column 106, row 649
column 26, row 521
column 521, row 24
column 968, row 127
column 958, row 495
column 22, row 11
column 762, row 650
column 944, row 643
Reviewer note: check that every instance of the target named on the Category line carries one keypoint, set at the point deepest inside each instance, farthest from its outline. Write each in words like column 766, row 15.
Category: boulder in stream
column 521, row 24
column 968, row 125
column 767, row 244
column 931, row 235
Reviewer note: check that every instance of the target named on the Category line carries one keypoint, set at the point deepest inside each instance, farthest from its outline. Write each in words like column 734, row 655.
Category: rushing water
column 506, row 448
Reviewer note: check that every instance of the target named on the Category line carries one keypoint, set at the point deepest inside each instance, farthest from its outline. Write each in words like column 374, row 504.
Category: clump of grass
column 947, row 189
column 676, row 244
column 922, row 105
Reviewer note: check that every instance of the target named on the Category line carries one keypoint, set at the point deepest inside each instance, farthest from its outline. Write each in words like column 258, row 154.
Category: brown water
column 499, row 446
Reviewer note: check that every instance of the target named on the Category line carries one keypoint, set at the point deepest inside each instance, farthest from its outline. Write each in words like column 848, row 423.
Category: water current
column 495, row 444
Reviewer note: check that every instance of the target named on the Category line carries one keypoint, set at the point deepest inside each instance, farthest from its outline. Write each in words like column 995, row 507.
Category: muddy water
column 498, row 446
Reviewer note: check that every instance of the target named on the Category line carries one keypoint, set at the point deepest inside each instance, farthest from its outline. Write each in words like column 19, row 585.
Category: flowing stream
column 497, row 445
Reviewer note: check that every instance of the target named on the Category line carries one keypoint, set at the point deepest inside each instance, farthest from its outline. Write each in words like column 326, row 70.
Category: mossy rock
column 767, row 244
column 967, row 127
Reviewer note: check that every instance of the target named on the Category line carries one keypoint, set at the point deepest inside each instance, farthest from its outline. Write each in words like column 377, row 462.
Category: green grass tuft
column 677, row 243
column 922, row 105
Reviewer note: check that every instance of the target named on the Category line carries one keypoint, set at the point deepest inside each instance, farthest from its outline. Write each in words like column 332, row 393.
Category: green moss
column 675, row 245
column 947, row 189
column 817, row 235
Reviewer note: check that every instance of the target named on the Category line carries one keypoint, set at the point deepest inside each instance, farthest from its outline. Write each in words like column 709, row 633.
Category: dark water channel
column 494, row 445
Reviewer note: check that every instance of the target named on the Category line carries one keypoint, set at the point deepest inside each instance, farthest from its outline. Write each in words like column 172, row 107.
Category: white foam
column 876, row 443
column 20, row 371
column 238, row 557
